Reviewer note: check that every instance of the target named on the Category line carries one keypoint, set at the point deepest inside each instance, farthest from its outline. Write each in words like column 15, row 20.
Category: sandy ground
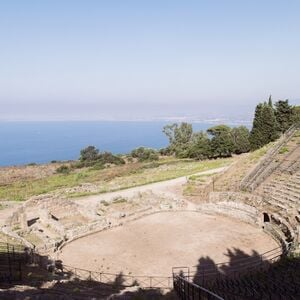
column 169, row 188
column 9, row 208
column 154, row 244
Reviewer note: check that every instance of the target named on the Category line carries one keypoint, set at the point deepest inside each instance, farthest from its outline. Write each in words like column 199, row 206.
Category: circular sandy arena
column 154, row 244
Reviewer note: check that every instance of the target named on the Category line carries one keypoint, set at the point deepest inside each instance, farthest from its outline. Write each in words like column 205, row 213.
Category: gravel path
column 169, row 188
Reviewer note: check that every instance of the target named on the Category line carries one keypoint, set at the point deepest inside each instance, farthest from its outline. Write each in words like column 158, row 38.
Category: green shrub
column 97, row 166
column 63, row 169
column 283, row 150
column 91, row 155
column 145, row 154
column 109, row 158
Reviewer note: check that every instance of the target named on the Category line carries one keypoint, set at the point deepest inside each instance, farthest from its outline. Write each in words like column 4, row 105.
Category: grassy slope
column 230, row 180
column 110, row 179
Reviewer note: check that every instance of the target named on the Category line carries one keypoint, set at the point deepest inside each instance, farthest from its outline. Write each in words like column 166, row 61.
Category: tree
column 183, row 133
column 240, row 136
column 265, row 126
column 256, row 135
column 222, row 142
column 296, row 114
column 270, row 102
column 270, row 125
column 179, row 138
column 199, row 146
column 169, row 131
column 284, row 115
column 90, row 153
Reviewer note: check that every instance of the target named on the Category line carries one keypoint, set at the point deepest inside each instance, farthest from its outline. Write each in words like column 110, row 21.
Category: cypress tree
column 270, row 127
column 284, row 115
column 256, row 134
column 270, row 102
column 265, row 126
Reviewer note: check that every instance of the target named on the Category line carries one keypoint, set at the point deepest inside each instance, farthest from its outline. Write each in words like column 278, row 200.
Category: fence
column 12, row 257
column 120, row 279
column 187, row 290
column 189, row 282
column 241, row 266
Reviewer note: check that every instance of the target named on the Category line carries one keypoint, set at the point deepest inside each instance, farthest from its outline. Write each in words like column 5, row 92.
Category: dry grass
column 109, row 179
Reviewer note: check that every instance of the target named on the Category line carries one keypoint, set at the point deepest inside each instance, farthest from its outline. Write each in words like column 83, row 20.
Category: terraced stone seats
column 276, row 159
column 282, row 195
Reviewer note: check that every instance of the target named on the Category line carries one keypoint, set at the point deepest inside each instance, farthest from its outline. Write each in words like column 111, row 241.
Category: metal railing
column 120, row 279
column 206, row 282
column 187, row 290
column 11, row 259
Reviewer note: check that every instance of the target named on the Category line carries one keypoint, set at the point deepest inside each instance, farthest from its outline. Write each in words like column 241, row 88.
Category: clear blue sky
column 146, row 59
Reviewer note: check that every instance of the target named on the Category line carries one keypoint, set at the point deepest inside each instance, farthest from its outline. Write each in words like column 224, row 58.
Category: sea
column 41, row 142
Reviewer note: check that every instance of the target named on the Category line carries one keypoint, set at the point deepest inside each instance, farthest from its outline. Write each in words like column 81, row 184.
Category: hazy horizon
column 73, row 60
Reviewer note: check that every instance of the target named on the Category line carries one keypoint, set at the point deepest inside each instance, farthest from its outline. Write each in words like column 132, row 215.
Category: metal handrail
column 146, row 281
column 183, row 289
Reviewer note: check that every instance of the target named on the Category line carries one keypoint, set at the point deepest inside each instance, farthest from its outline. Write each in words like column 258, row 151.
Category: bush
column 109, row 158
column 63, row 169
column 283, row 150
column 91, row 156
column 145, row 154
column 90, row 153
column 98, row 166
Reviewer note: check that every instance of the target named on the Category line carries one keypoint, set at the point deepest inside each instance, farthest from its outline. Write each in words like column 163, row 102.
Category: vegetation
column 269, row 122
column 193, row 151
column 241, row 139
column 63, row 169
column 90, row 156
column 108, row 179
column 296, row 114
column 179, row 138
column 217, row 142
column 223, row 141
column 265, row 127
column 145, row 154
column 284, row 115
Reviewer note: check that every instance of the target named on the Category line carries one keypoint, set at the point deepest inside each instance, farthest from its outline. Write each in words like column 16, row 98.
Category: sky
column 142, row 60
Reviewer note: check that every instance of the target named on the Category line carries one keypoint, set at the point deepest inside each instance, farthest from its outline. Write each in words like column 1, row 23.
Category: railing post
column 193, row 291
column 20, row 271
column 13, row 252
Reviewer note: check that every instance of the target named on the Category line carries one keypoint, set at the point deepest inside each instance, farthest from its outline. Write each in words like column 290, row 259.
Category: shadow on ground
column 243, row 277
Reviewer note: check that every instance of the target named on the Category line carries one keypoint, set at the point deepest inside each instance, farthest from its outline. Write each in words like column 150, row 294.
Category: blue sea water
column 41, row 142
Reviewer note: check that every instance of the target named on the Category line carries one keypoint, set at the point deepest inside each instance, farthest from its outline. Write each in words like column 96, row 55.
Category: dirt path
column 169, row 188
